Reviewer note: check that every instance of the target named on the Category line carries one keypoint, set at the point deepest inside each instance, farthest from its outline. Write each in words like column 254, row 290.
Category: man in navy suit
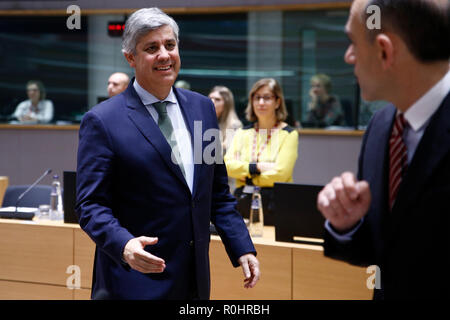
column 145, row 191
column 396, row 213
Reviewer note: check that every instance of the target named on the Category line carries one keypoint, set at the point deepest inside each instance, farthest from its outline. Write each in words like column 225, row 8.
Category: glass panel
column 233, row 50
column 42, row 48
column 314, row 46
column 213, row 51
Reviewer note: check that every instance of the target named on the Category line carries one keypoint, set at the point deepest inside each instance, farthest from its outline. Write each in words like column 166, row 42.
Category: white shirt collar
column 422, row 110
column 148, row 99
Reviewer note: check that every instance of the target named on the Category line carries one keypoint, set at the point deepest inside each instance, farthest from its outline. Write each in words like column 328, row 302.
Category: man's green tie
column 166, row 127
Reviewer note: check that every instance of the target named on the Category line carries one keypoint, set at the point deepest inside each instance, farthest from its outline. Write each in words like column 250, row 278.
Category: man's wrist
column 344, row 235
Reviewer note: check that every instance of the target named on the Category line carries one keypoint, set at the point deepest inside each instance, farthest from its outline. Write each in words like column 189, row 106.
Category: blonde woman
column 264, row 152
column 228, row 120
column 324, row 109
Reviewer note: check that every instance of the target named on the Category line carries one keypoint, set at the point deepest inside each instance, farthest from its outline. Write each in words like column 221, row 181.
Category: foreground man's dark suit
column 411, row 244
column 127, row 186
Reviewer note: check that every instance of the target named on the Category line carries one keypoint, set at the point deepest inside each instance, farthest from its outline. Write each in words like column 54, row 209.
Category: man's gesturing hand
column 250, row 267
column 344, row 201
column 139, row 259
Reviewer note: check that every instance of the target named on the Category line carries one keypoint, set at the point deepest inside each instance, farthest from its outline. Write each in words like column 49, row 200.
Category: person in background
column 117, row 83
column 324, row 109
column 264, row 152
column 141, row 196
column 36, row 109
column 228, row 120
column 394, row 215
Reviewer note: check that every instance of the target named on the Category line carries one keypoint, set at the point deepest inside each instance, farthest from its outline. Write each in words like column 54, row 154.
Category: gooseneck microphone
column 31, row 187
column 23, row 215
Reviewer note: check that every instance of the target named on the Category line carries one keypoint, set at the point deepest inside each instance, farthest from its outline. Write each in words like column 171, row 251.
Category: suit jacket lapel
column 376, row 171
column 190, row 116
column 142, row 119
column 433, row 147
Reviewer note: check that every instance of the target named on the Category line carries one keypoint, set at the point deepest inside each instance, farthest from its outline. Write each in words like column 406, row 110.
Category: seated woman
column 228, row 120
column 324, row 108
column 265, row 151
column 36, row 108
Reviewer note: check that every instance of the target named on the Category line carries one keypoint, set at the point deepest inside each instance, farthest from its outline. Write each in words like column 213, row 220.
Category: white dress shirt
column 43, row 112
column 417, row 117
column 181, row 132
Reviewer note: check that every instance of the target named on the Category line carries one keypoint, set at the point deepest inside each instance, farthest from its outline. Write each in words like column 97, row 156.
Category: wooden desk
column 288, row 271
column 4, row 182
column 35, row 257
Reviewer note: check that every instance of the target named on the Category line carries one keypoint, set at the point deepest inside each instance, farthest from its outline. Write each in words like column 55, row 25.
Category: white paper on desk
column 19, row 209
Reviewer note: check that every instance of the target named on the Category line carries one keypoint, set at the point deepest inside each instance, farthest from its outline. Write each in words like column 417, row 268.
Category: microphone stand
column 23, row 215
column 31, row 187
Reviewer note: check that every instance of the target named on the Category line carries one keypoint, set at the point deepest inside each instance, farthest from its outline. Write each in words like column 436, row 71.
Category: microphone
column 23, row 215
column 31, row 187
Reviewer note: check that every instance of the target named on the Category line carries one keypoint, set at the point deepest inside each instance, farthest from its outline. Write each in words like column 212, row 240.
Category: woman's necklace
column 255, row 156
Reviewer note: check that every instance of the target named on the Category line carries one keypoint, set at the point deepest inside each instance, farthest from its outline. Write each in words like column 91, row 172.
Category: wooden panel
column 316, row 277
column 35, row 253
column 4, row 181
column 84, row 256
column 11, row 290
column 276, row 277
column 322, row 132
column 82, row 294
column 39, row 127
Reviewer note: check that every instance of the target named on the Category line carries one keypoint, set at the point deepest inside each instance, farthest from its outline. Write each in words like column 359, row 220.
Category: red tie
column 398, row 158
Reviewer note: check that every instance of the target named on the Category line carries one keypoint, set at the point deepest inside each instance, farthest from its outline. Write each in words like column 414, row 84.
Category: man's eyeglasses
column 265, row 98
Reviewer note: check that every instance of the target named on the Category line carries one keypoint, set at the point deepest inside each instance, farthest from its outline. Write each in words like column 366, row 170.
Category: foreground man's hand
column 344, row 201
column 250, row 267
column 139, row 259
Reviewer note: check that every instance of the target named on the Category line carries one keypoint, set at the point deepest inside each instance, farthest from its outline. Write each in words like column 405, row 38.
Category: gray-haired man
column 149, row 215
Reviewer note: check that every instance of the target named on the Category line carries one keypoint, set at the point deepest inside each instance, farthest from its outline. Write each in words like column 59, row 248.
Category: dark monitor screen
column 69, row 197
column 297, row 218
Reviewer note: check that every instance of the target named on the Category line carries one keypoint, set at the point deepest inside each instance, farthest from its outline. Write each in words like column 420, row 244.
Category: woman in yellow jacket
column 265, row 151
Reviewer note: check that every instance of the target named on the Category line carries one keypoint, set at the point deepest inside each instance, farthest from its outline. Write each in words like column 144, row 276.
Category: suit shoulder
column 386, row 111
column 108, row 110
column 110, row 105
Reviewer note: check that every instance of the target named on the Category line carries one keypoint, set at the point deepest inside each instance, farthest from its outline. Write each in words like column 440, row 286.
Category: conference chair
column 40, row 194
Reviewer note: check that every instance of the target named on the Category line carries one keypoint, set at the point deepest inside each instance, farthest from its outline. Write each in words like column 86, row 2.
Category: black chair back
column 40, row 194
